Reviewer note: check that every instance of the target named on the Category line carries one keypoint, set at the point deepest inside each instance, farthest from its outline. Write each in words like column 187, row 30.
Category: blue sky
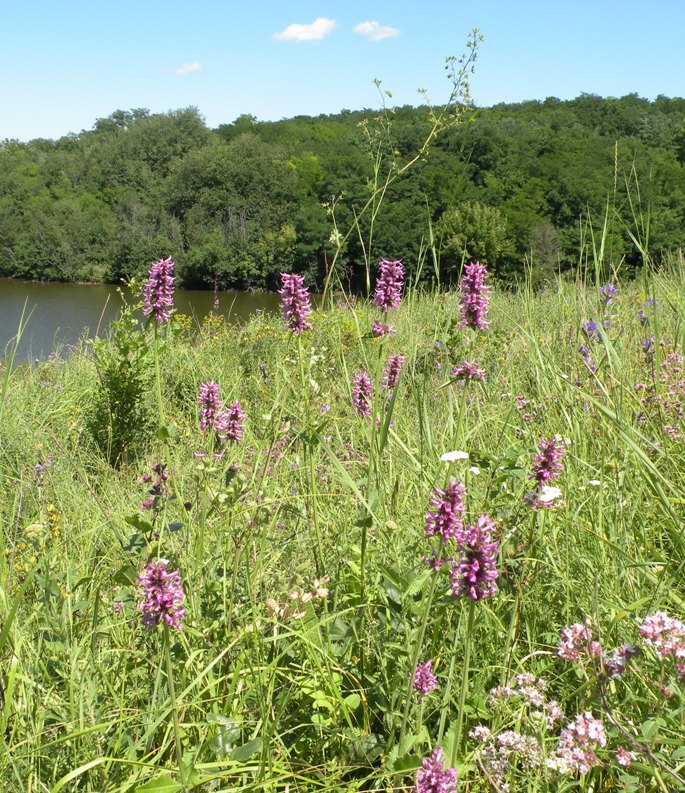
column 65, row 63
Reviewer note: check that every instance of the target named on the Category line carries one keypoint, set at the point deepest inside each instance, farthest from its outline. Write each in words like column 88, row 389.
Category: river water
column 58, row 315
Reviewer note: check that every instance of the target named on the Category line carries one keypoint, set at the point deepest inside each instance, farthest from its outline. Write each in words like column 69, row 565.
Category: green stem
column 174, row 712
column 464, row 684
column 417, row 652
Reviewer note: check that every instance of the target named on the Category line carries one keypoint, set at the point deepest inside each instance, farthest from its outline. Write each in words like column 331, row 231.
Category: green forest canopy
column 237, row 205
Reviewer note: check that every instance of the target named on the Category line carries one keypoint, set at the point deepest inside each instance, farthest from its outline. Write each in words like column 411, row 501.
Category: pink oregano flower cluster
column 666, row 636
column 158, row 291
column 473, row 567
column 577, row 744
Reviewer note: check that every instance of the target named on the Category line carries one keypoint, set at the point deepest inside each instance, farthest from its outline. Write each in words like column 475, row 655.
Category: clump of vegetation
column 445, row 556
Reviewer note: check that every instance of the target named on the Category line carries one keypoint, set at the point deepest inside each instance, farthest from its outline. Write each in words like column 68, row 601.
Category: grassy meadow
column 311, row 591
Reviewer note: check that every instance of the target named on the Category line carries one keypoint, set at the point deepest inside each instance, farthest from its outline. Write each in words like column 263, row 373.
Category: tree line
column 234, row 206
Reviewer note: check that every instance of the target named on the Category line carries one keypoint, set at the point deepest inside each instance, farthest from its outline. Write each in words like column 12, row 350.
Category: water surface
column 58, row 315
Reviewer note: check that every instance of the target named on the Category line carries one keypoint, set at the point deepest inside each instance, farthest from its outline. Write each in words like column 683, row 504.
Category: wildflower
column 433, row 777
column 389, row 285
column 158, row 292
column 233, row 425
column 475, row 297
column 476, row 571
column 295, row 304
column 549, row 494
column 450, row 457
column 545, row 498
column 161, row 596
column 448, row 507
column 159, row 487
column 547, row 464
column 617, row 662
column 624, row 758
column 665, row 634
column 577, row 638
column 380, row 329
column 480, row 733
column 118, row 606
column 391, row 373
column 591, row 330
column 424, row 679
column 586, row 355
column 575, row 750
column 210, row 405
column 468, row 371
column 607, row 293
column 361, row 393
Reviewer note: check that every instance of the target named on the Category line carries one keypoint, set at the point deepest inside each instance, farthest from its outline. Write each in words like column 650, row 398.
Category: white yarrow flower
column 549, row 493
column 450, row 457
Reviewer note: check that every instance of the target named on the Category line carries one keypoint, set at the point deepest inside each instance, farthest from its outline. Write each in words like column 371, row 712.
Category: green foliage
column 469, row 232
column 119, row 415
column 102, row 204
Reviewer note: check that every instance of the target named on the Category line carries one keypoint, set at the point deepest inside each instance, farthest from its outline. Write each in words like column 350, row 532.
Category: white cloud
column 317, row 30
column 187, row 68
column 374, row 31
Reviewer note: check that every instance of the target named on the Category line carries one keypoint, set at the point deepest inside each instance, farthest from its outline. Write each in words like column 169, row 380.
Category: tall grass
column 285, row 680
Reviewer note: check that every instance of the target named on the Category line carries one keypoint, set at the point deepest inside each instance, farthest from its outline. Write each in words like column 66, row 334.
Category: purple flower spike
column 161, row 596
column 361, row 393
column 448, row 507
column 433, row 777
column 210, row 405
column 389, row 285
column 158, row 292
column 547, row 464
column 476, row 571
column 295, row 305
column 227, row 424
column 475, row 296
column 424, row 679
column 391, row 373
column 234, row 423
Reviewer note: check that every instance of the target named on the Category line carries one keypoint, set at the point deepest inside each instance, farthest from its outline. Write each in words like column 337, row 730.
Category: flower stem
column 172, row 697
column 464, row 683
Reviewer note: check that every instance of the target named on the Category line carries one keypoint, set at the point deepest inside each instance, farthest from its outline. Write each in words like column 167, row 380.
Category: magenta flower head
column 210, row 405
column 161, row 596
column 295, row 305
column 227, row 424
column 158, row 291
column 448, row 508
column 547, row 464
column 389, row 285
column 433, row 777
column 391, row 373
column 361, row 393
column 475, row 296
column 380, row 329
column 233, row 430
column 424, row 679
column 475, row 573
column 468, row 370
